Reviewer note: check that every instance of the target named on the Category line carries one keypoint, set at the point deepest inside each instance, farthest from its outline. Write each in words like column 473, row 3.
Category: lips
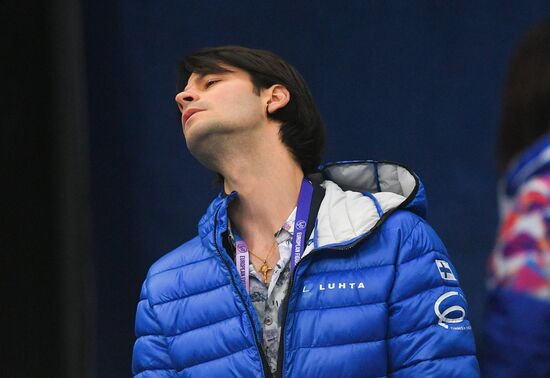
column 188, row 113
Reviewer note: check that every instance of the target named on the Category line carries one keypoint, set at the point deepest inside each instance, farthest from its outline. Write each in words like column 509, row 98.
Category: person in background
column 517, row 323
column 297, row 271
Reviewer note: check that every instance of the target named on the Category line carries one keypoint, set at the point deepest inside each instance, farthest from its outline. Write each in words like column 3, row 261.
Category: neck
column 267, row 180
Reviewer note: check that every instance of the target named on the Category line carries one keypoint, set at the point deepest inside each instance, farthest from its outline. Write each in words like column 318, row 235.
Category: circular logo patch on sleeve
column 450, row 309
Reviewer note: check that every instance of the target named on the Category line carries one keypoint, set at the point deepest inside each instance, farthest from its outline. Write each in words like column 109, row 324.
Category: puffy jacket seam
column 345, row 306
column 427, row 252
column 160, row 335
column 412, row 331
column 336, row 345
column 190, row 295
column 396, row 264
column 431, row 359
column 214, row 359
column 410, row 232
column 418, row 293
column 347, row 270
column 203, row 326
column 150, row 335
column 390, row 291
column 146, row 370
column 179, row 266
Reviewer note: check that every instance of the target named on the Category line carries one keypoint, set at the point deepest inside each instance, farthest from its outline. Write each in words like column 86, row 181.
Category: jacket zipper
column 280, row 357
column 267, row 371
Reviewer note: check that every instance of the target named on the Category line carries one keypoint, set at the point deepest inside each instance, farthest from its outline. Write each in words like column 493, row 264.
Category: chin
column 205, row 145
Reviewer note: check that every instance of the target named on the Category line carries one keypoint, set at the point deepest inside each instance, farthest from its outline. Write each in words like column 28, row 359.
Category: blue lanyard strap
column 298, row 237
column 300, row 224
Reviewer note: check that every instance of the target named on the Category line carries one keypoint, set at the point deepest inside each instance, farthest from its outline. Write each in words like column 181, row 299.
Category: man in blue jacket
column 297, row 271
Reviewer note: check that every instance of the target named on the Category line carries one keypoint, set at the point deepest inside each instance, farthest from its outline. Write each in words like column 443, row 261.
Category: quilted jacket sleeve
column 150, row 357
column 429, row 334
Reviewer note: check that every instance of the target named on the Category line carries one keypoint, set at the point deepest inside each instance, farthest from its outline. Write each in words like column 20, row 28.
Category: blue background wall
column 416, row 82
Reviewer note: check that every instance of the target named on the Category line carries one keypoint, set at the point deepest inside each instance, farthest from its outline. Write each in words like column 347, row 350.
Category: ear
column 277, row 96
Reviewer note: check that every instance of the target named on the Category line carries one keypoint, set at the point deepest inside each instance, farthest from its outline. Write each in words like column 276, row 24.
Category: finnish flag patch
column 445, row 270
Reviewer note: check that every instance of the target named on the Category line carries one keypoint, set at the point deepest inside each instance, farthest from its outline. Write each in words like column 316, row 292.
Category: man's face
column 218, row 104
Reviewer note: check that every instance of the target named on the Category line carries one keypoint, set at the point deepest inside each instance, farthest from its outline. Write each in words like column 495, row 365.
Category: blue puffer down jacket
column 377, row 296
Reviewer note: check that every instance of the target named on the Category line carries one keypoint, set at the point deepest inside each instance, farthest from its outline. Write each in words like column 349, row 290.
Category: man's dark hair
column 526, row 102
column 302, row 130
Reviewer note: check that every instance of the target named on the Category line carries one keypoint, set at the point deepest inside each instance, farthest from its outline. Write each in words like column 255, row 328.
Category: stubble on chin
column 214, row 144
column 208, row 144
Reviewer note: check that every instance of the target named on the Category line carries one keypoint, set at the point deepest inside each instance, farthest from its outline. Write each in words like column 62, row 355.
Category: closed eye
column 211, row 82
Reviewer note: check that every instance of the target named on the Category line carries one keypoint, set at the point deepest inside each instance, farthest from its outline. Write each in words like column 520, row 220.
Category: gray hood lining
column 372, row 177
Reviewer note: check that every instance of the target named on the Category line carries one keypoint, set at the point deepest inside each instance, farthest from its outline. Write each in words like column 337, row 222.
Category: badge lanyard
column 242, row 260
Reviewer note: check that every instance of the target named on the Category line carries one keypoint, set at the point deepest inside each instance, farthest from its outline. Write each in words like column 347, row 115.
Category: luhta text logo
column 342, row 285
column 335, row 286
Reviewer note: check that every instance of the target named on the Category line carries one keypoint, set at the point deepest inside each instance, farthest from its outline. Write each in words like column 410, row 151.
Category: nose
column 184, row 98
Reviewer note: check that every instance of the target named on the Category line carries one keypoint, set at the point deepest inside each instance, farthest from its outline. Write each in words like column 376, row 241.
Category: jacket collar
column 359, row 196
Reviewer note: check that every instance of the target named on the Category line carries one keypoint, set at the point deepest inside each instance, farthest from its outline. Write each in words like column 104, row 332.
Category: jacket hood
column 359, row 196
column 369, row 176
